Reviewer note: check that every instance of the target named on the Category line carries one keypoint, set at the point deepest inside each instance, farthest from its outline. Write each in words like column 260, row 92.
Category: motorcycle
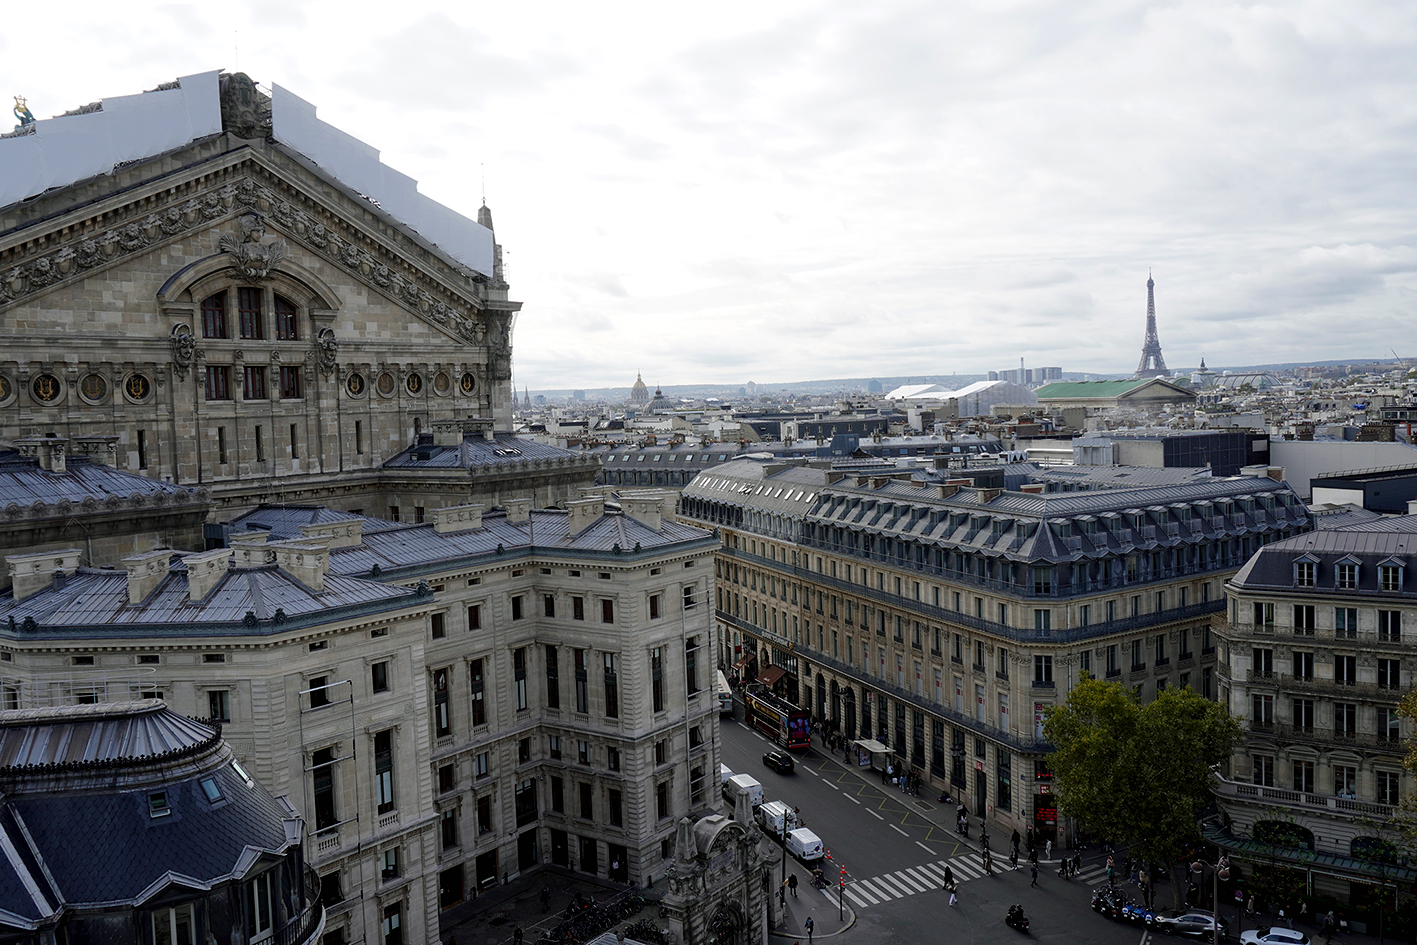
column 1109, row 901
column 1015, row 919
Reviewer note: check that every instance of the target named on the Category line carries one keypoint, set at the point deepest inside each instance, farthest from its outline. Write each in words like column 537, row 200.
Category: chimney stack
column 646, row 510
column 32, row 573
column 51, row 451
column 348, row 533
column 205, row 571
column 145, row 573
column 249, row 549
column 98, row 449
column 458, row 518
column 518, row 510
column 307, row 561
column 583, row 513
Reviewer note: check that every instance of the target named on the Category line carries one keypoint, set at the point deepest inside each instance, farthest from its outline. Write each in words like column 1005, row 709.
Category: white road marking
column 924, row 847
column 910, row 879
column 886, row 887
column 810, row 771
column 852, row 799
column 831, row 785
column 899, row 831
column 874, row 814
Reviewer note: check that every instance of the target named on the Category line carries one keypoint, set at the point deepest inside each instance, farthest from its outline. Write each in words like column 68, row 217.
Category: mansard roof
column 75, row 814
column 475, row 451
column 1368, row 544
column 244, row 601
column 83, row 485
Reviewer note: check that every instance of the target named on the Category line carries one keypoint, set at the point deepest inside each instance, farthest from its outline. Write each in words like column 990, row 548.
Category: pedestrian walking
column 949, row 878
column 1013, row 858
column 885, row 773
column 1029, row 834
column 1250, row 906
column 953, row 898
column 545, row 899
column 1035, row 875
column 1033, row 855
column 988, row 862
column 1077, row 862
column 809, row 926
column 1015, row 838
column 1048, row 850
column 792, row 885
column 517, row 936
column 1329, row 924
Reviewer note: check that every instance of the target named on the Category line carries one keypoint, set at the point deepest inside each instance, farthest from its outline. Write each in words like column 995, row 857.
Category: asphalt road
column 894, row 847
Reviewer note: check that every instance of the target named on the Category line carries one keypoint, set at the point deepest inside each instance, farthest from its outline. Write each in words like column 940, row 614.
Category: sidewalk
column 827, row 919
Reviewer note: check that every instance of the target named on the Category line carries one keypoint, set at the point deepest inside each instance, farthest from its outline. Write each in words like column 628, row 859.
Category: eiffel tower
column 1152, row 363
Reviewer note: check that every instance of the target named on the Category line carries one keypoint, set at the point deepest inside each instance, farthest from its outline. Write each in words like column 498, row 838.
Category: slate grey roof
column 504, row 449
column 84, row 485
column 1343, row 516
column 284, row 521
column 409, row 549
column 83, row 837
column 97, row 600
column 1391, row 540
column 95, row 734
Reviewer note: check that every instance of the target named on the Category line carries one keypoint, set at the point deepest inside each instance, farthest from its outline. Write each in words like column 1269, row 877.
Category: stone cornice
column 103, row 234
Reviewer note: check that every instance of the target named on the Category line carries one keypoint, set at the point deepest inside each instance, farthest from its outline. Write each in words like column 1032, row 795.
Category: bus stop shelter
column 871, row 754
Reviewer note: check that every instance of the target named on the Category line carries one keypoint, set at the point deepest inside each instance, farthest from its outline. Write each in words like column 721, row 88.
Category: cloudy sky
column 782, row 191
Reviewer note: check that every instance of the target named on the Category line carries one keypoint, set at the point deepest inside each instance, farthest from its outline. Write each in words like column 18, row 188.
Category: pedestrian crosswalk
column 863, row 893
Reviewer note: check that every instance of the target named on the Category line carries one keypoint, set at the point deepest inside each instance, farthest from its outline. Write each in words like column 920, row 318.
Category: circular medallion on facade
column 7, row 389
column 93, row 388
column 414, row 384
column 46, row 389
column 442, row 383
column 355, row 385
column 138, row 388
column 386, row 384
column 467, row 383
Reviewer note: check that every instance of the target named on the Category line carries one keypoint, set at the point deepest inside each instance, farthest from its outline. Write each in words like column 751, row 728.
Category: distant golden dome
column 639, row 394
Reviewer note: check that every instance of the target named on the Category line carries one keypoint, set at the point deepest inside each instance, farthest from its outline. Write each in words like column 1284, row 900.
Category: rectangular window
column 587, row 802
column 519, row 676
column 1264, row 615
column 359, row 437
column 481, row 765
column 612, row 687
column 577, row 608
column 517, row 613
column 214, row 316
column 1303, row 665
column 248, row 310
column 219, row 705
column 1042, row 670
column 319, row 691
column 583, row 751
column 1303, row 710
column 295, row 442
column 558, row 795
column 1263, row 770
column 1390, row 626
column 548, row 605
column 479, row 704
column 661, row 800
column 582, row 683
column 607, row 611
column 1345, row 622
column 142, row 445
column 654, row 606
column 553, row 676
column 617, row 808
column 322, row 775
column 1345, row 670
column 379, row 676
column 384, row 770
column 1261, row 663
column 524, row 799
column 1113, row 668
column 392, row 926
column 1304, row 619
column 442, row 722
column 1389, row 674
column 484, row 812
column 1042, row 619
column 1304, row 776
column 1389, row 577
column 448, row 824
column 285, row 320
column 474, row 617
column 1262, row 710
column 1389, row 725
column 1387, row 785
column 218, row 382
column 290, row 383
column 438, row 626
column 656, row 672
column 447, row 778
column 691, row 665
column 1345, row 576
column 1304, row 574
column 1345, row 781
column 1345, row 719
column 255, row 383
column 221, row 452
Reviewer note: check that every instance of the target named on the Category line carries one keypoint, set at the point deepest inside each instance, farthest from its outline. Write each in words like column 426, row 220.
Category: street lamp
column 1221, row 870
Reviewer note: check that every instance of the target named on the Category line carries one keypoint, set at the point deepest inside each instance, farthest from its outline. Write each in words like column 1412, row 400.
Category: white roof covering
column 935, row 392
column 356, row 164
column 71, row 148
column 915, row 390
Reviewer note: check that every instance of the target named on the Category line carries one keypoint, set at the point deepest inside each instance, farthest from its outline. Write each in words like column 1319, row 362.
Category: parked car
column 1273, row 936
column 779, row 761
column 1196, row 924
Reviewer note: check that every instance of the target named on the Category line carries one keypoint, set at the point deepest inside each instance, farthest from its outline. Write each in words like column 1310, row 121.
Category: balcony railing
column 310, row 923
column 1284, row 797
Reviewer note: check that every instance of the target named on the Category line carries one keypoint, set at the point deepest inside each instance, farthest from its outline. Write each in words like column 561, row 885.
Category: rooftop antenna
column 482, row 170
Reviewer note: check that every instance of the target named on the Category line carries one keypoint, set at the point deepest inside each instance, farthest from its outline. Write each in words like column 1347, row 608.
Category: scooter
column 1015, row 919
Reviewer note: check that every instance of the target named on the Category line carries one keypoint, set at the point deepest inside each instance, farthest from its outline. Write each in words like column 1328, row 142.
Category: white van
column 804, row 845
column 742, row 784
column 724, row 773
column 772, row 816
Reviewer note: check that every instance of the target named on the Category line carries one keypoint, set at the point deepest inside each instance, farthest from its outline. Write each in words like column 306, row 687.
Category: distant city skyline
column 813, row 189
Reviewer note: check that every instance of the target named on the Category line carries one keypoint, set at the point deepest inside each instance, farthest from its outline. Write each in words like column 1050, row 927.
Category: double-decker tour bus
column 725, row 695
column 780, row 720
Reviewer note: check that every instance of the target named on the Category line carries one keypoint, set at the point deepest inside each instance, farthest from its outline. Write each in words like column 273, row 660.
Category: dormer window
column 1304, row 574
column 1390, row 576
column 157, row 804
column 1345, row 576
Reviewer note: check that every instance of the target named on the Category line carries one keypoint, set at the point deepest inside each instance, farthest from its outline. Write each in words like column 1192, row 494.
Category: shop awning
column 871, row 745
column 747, row 658
column 771, row 675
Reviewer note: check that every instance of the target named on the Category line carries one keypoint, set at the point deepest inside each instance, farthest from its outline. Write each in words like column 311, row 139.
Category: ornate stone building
column 722, row 882
column 943, row 617
column 243, row 299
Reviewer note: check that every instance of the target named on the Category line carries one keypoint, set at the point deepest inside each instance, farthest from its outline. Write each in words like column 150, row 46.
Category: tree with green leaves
column 1137, row 774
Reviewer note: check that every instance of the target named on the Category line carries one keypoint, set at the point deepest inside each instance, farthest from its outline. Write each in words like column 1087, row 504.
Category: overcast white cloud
column 795, row 190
